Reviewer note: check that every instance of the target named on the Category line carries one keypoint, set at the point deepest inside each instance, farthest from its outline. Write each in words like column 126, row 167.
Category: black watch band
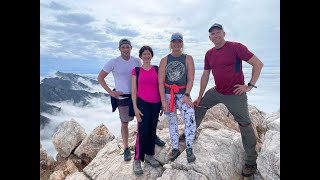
column 252, row 85
column 187, row 94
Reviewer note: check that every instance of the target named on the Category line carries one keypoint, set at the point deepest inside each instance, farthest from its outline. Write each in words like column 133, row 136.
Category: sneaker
column 249, row 170
column 151, row 160
column 190, row 155
column 137, row 167
column 174, row 154
column 127, row 154
column 159, row 142
column 182, row 138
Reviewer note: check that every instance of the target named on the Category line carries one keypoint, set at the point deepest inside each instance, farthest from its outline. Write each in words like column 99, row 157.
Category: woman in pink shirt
column 147, row 105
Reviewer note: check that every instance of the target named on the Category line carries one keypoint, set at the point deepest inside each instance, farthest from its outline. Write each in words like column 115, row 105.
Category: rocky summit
column 218, row 147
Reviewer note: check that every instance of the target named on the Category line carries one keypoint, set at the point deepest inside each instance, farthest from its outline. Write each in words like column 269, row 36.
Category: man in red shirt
column 225, row 62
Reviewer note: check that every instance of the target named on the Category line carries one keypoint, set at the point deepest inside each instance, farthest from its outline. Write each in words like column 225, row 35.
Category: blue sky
column 85, row 33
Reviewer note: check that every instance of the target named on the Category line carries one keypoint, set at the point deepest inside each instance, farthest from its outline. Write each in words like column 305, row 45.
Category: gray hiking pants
column 238, row 107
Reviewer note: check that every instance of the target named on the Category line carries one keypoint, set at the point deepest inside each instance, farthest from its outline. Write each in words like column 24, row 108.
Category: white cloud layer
column 266, row 98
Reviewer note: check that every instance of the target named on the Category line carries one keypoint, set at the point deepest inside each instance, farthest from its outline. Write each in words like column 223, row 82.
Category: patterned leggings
column 189, row 121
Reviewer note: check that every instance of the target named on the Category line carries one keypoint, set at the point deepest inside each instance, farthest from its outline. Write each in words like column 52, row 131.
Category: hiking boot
column 174, row 154
column 137, row 167
column 249, row 170
column 190, row 155
column 159, row 142
column 127, row 154
column 151, row 160
column 182, row 138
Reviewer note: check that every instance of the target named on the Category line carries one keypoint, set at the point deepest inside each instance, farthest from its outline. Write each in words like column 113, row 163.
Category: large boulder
column 69, row 135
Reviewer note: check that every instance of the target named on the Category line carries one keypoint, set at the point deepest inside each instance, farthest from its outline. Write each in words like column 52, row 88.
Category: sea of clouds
column 266, row 98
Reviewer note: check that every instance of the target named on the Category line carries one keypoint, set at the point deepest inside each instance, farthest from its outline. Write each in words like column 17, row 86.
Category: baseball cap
column 176, row 36
column 124, row 41
column 216, row 25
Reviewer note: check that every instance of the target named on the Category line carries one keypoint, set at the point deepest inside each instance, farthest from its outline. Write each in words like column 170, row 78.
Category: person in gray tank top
column 176, row 75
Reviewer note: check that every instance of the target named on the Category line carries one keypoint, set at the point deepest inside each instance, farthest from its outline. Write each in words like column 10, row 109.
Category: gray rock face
column 268, row 160
column 69, row 136
column 218, row 148
column 47, row 164
column 93, row 143
column 77, row 176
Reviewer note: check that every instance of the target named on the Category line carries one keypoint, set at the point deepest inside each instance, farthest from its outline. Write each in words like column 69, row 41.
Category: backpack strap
column 137, row 75
column 156, row 67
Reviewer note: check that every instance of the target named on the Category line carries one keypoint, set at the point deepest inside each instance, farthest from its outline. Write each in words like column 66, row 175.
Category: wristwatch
column 252, row 85
column 187, row 94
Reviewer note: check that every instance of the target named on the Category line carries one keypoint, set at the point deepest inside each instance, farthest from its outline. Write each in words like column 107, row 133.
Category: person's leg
column 159, row 142
column 153, row 116
column 173, row 125
column 152, row 126
column 124, row 133
column 174, row 131
column 238, row 107
column 142, row 130
column 125, row 118
column 136, row 161
column 208, row 100
column 187, row 113
column 188, row 116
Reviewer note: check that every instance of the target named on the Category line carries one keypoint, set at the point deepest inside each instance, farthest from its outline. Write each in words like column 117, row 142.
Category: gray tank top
column 176, row 72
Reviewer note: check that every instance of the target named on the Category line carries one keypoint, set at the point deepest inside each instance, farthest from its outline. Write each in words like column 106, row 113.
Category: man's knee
column 124, row 125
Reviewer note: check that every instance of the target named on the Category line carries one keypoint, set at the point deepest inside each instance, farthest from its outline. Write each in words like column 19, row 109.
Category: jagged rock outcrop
column 57, row 175
column 218, row 148
column 68, row 166
column 219, row 156
column 173, row 174
column 93, row 143
column 109, row 164
column 47, row 164
column 77, row 176
column 268, row 160
column 69, row 135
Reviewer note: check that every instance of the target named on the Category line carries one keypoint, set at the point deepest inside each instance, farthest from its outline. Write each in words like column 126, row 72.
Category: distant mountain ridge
column 64, row 87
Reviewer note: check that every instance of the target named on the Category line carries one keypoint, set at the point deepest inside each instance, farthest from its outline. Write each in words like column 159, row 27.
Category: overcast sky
column 81, row 35
column 89, row 30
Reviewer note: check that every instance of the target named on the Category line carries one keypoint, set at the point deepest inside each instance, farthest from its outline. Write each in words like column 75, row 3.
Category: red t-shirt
column 148, row 88
column 226, row 65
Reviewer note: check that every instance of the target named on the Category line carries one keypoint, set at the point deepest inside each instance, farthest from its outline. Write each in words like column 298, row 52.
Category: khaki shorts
column 124, row 114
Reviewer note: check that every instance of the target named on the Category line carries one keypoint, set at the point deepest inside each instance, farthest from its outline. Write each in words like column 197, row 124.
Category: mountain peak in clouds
column 65, row 87
column 74, row 77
